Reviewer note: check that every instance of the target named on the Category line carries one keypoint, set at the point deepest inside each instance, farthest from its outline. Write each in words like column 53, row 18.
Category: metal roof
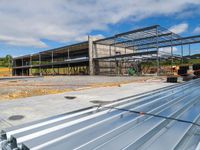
column 56, row 50
column 167, row 118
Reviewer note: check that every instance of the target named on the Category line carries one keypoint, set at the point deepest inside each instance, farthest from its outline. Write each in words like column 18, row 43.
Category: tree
column 6, row 61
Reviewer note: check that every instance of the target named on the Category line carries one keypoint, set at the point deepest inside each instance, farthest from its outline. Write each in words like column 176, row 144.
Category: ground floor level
column 35, row 98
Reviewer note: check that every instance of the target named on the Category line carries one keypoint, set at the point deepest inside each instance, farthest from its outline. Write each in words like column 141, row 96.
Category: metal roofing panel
column 169, row 116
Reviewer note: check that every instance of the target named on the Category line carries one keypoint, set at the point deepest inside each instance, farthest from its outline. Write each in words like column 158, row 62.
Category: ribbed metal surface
column 105, row 128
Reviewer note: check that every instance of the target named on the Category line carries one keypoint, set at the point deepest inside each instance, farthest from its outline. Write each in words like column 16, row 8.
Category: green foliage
column 194, row 61
column 6, row 61
column 169, row 62
column 131, row 71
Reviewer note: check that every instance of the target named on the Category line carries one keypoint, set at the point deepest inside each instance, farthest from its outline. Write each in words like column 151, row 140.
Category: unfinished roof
column 148, row 38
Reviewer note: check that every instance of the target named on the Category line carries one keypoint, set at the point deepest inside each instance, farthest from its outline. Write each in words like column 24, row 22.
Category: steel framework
column 71, row 56
column 141, row 44
column 146, row 41
column 147, row 38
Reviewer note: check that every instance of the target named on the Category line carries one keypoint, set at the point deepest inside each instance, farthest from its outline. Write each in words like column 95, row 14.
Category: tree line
column 6, row 61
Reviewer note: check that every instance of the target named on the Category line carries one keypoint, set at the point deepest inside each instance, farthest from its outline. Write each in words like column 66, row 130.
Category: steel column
column 181, row 53
column 68, row 57
column 22, row 67
column 171, row 56
column 157, row 48
column 30, row 65
column 40, row 64
column 52, row 61
column 189, row 50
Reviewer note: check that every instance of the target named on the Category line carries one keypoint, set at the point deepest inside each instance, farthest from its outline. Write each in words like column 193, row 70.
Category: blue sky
column 32, row 26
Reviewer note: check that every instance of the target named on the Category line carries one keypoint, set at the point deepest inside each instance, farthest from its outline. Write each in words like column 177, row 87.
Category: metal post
column 171, row 55
column 40, row 64
column 68, row 58
column 116, row 66
column 189, row 50
column 181, row 52
column 52, row 61
column 9, row 64
column 15, row 64
column 110, row 61
column 30, row 65
column 157, row 48
column 125, row 63
column 22, row 67
column 12, row 66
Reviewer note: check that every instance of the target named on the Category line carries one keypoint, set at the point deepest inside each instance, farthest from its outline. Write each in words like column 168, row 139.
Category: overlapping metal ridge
column 166, row 119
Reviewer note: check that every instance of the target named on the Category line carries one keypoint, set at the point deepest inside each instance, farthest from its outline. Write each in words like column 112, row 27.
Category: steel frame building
column 71, row 57
column 108, row 56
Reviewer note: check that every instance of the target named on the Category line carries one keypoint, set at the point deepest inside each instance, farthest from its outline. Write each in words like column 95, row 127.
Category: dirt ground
column 5, row 72
column 13, row 88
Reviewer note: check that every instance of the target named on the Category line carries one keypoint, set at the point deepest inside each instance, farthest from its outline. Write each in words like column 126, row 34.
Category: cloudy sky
column 29, row 26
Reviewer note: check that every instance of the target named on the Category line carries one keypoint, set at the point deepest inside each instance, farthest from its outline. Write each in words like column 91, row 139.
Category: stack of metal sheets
column 167, row 118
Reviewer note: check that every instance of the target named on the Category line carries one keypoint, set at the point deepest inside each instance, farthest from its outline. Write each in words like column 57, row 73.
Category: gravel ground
column 12, row 88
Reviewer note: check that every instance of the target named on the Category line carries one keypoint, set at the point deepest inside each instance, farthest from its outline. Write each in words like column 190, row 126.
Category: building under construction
column 110, row 56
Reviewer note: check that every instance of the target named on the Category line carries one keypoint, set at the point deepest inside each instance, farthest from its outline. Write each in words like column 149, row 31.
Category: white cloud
column 84, row 38
column 26, row 23
column 180, row 28
column 22, row 41
column 167, row 50
column 197, row 29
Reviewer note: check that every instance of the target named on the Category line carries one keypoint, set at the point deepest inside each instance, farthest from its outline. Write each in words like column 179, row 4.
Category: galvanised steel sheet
column 169, row 117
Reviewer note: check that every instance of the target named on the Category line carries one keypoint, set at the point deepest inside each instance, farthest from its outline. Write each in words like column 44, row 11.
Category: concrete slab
column 39, row 107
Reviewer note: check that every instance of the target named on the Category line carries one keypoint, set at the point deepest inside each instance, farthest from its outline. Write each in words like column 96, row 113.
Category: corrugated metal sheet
column 165, row 119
